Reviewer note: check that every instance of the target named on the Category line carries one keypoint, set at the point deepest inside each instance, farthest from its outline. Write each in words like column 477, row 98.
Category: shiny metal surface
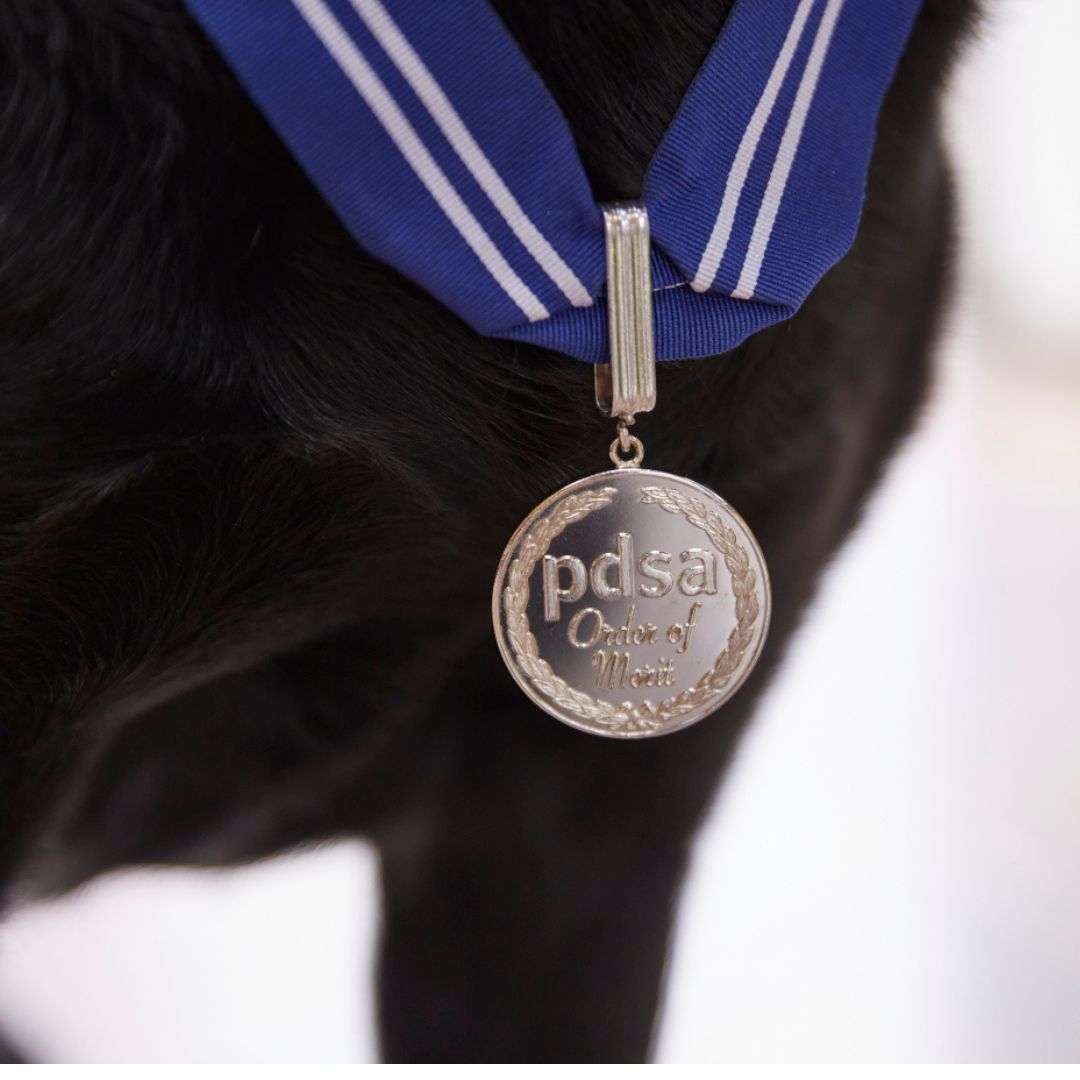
column 627, row 384
column 626, row 451
column 631, row 603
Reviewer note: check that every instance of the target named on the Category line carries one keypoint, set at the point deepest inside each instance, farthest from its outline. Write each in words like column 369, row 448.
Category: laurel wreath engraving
column 626, row 718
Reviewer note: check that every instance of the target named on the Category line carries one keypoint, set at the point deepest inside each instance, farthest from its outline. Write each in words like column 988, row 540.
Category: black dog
column 254, row 486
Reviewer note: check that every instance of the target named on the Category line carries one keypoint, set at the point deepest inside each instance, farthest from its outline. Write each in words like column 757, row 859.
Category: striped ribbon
column 444, row 155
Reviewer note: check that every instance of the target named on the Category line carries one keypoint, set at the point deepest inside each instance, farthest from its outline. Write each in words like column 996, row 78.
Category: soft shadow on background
column 892, row 872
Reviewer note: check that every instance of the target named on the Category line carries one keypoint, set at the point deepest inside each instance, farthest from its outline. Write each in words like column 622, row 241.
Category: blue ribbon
column 444, row 155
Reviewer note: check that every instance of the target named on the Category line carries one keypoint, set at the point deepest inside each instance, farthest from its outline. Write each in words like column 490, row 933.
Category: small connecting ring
column 626, row 444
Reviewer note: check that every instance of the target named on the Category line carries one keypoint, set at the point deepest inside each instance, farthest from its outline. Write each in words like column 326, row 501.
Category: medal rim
column 570, row 719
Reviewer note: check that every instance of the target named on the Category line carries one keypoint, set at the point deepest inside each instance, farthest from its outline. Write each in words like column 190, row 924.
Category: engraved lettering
column 697, row 576
column 622, row 636
column 627, row 634
column 575, row 623
column 554, row 595
column 679, row 633
column 661, row 581
column 700, row 577
column 611, row 669
column 623, row 558
column 661, row 675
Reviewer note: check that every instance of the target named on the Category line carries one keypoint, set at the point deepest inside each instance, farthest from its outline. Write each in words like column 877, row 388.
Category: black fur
column 254, row 486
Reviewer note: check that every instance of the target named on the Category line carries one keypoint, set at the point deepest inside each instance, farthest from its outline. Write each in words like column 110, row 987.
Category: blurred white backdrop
column 892, row 871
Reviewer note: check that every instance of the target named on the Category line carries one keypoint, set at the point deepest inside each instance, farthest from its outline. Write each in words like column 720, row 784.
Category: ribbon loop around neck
column 442, row 152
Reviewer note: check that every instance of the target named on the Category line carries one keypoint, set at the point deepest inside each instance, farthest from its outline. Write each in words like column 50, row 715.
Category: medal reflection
column 633, row 602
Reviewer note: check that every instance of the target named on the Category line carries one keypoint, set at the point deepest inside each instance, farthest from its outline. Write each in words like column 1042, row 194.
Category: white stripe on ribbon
column 427, row 89
column 370, row 87
column 785, row 155
column 714, row 251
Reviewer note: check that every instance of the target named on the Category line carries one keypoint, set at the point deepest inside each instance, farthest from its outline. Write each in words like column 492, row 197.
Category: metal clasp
column 627, row 384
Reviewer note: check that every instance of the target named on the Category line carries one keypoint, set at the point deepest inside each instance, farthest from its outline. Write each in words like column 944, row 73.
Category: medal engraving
column 631, row 603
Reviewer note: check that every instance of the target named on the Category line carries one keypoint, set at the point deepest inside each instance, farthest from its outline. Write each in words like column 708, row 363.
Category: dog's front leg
column 548, row 947
column 527, row 907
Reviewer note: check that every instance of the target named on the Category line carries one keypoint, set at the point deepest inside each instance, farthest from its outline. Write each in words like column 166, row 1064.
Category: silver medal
column 631, row 603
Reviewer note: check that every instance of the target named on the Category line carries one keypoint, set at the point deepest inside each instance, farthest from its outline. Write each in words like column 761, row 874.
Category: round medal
column 631, row 603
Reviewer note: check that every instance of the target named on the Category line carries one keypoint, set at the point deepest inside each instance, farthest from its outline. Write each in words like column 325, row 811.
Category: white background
column 892, row 872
